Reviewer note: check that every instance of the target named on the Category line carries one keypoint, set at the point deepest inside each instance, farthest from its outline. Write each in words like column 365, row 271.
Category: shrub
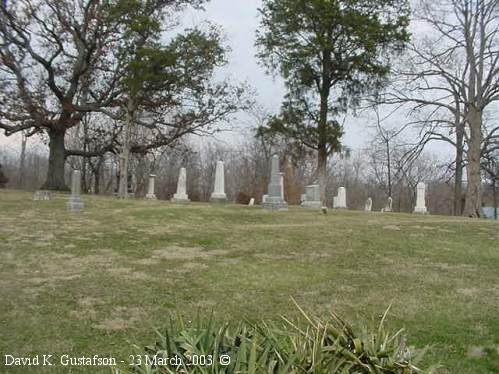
column 307, row 345
column 243, row 198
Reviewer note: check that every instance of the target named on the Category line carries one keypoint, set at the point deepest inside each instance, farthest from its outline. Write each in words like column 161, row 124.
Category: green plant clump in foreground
column 308, row 345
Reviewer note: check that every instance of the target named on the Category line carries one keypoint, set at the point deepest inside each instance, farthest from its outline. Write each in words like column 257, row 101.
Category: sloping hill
column 90, row 283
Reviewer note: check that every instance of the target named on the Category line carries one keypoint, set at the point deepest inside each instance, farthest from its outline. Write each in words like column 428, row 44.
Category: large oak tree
column 49, row 51
column 61, row 60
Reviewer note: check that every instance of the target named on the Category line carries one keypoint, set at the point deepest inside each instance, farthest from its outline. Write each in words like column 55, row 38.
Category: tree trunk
column 458, row 178
column 125, row 151
column 322, row 151
column 84, row 160
column 322, row 173
column 389, row 169
column 97, row 172
column 97, row 182
column 141, row 176
column 57, row 159
column 473, row 204
column 494, row 194
column 22, row 161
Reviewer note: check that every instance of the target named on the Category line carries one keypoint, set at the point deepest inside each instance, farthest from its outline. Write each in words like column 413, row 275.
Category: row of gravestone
column 273, row 200
column 181, row 196
column 312, row 199
column 75, row 204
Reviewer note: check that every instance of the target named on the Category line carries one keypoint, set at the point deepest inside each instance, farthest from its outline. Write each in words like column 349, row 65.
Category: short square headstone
column 41, row 196
column 340, row 201
column 312, row 197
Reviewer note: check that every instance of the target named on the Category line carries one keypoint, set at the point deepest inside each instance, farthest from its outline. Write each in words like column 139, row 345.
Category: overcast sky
column 239, row 20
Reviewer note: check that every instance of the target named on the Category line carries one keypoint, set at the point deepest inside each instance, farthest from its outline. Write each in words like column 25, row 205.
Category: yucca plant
column 307, row 345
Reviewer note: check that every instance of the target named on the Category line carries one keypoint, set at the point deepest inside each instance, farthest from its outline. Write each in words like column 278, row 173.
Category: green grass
column 98, row 281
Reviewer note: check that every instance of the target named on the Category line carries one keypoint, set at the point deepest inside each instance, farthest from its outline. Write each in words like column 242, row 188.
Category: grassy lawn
column 96, row 282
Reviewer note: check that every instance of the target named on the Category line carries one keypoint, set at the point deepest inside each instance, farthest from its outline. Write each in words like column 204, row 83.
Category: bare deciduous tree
column 453, row 75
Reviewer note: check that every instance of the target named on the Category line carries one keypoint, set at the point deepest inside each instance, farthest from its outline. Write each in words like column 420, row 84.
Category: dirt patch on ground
column 7, row 256
column 121, row 318
column 194, row 266
column 468, row 292
column 163, row 229
column 446, row 266
column 84, row 314
column 429, row 228
column 147, row 262
column 89, row 301
column 280, row 225
column 275, row 256
column 392, row 227
column 54, row 267
column 231, row 261
column 185, row 253
column 129, row 273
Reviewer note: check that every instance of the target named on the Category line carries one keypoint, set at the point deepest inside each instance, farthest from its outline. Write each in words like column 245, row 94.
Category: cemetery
column 249, row 187
column 104, row 270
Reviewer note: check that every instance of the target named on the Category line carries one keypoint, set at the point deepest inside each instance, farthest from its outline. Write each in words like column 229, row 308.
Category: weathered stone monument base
column 277, row 206
column 311, row 204
column 41, row 195
column 151, row 197
column 421, row 210
column 218, row 198
column 75, row 204
column 180, row 199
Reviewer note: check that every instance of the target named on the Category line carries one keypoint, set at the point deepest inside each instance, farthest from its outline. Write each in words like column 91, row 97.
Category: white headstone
column 340, row 201
column 150, row 193
column 219, row 190
column 251, row 202
column 369, row 205
column 389, row 205
column 181, row 195
column 421, row 199
column 75, row 204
